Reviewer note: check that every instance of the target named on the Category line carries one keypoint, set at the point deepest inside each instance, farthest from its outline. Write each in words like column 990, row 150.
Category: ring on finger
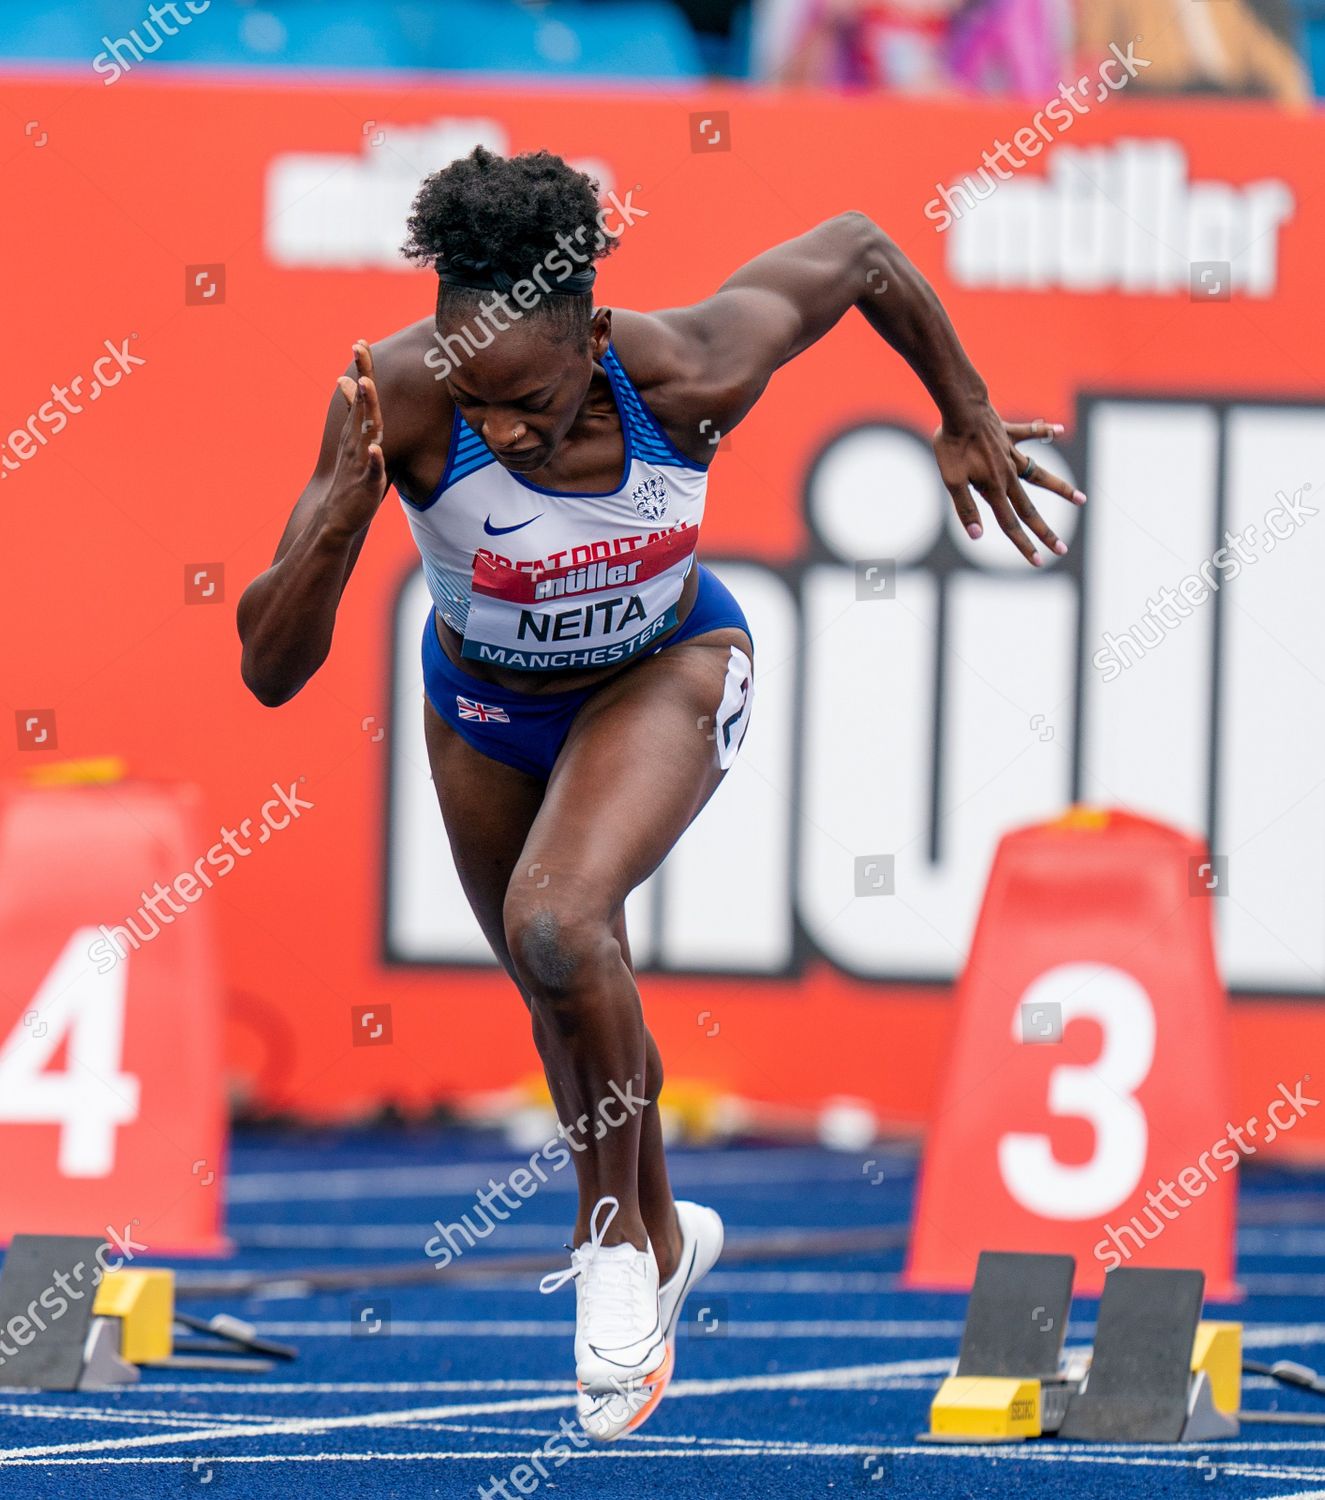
column 1028, row 470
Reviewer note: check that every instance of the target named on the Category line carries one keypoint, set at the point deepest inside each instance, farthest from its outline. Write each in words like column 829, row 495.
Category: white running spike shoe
column 623, row 1359
column 701, row 1244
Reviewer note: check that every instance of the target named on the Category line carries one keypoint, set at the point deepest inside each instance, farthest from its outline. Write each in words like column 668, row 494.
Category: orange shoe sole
column 656, row 1384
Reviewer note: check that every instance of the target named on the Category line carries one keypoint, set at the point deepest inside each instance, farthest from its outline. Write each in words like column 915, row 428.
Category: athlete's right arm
column 287, row 614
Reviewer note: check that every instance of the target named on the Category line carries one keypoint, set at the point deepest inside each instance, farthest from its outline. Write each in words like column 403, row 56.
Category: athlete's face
column 523, row 392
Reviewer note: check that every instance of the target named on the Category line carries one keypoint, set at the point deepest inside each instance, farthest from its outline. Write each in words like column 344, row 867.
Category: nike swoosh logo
column 632, row 1364
column 654, row 1337
column 683, row 1292
column 504, row 530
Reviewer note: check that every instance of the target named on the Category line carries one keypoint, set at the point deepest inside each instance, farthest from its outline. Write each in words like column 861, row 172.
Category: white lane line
column 1290, row 1240
column 333, row 1387
column 338, row 1184
column 1254, row 1335
column 139, row 1418
column 275, row 1237
column 1276, row 1335
column 533, row 1328
column 848, row 1376
column 814, row 1283
column 756, row 1283
column 498, row 1455
column 292, row 1426
column 1211, row 1452
column 365, row 1236
column 539, row 1236
column 541, row 1434
column 529, row 1328
column 1270, row 1208
column 466, row 1178
column 1281, row 1284
column 429, row 1387
column 1201, row 1463
column 1123, row 1457
column 844, row 1377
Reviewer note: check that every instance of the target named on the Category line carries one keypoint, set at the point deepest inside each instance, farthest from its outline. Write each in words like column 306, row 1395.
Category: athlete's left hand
column 984, row 457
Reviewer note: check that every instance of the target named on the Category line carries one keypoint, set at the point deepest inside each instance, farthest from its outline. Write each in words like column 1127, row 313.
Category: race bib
column 589, row 613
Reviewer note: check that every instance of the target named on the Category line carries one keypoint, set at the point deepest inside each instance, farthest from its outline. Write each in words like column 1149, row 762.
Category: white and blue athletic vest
column 544, row 580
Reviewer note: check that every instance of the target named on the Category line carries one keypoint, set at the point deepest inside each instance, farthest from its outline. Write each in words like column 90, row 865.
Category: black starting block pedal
column 1157, row 1372
column 1016, row 1319
column 1009, row 1383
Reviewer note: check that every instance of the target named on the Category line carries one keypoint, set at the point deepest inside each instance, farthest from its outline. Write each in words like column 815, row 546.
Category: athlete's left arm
column 781, row 302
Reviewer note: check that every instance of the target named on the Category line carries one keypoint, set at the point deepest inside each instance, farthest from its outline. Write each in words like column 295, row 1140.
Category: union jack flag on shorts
column 483, row 712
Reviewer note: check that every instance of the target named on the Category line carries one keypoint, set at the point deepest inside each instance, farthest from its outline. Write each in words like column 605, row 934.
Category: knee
column 558, row 952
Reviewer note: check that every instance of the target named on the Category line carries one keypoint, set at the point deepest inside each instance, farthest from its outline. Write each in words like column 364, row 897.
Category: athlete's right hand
column 359, row 482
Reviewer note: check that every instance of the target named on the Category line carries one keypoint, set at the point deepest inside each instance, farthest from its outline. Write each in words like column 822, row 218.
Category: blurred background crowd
column 1266, row 49
column 1027, row 47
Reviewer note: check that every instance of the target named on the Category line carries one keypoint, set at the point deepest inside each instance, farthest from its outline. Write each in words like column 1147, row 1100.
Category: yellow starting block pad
column 986, row 1409
column 1218, row 1352
column 692, row 1107
column 97, row 770
column 144, row 1302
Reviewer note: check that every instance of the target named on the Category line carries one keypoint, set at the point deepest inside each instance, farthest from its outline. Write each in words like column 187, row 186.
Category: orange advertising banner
column 186, row 264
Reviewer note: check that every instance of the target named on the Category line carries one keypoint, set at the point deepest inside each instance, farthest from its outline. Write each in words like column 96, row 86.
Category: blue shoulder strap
column 465, row 453
column 647, row 434
column 468, row 451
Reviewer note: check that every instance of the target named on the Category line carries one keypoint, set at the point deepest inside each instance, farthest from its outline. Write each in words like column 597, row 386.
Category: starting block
column 1008, row 1384
column 1157, row 1373
column 1156, row 1367
column 73, row 1326
column 67, row 1325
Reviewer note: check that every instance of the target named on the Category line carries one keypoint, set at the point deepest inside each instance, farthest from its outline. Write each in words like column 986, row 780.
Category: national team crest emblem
column 650, row 498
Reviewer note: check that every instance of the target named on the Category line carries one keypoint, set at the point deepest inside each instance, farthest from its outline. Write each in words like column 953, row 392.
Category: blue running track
column 800, row 1379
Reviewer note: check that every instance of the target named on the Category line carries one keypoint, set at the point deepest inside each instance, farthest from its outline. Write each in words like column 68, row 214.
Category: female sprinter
column 587, row 681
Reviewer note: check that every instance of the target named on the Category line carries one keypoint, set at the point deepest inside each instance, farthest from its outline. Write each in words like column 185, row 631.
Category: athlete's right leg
column 488, row 808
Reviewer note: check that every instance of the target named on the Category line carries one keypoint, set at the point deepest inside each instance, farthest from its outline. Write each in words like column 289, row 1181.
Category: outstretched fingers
column 1029, row 472
column 968, row 513
column 1021, row 432
column 1009, row 524
column 1021, row 503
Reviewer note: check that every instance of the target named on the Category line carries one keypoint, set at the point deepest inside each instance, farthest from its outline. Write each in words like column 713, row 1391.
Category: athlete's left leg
column 488, row 809
column 639, row 763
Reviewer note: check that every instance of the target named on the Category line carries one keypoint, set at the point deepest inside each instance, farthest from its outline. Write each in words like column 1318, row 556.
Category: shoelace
column 614, row 1284
column 614, row 1304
